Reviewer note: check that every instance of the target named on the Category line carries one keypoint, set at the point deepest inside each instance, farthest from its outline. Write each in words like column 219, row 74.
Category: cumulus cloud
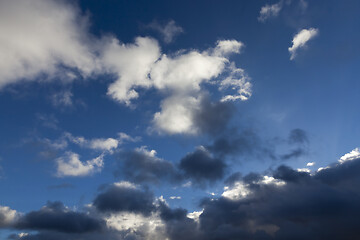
column 180, row 76
column 270, row 11
column 201, row 167
column 143, row 166
column 282, row 204
column 57, row 217
column 168, row 31
column 66, row 49
column 7, row 216
column 300, row 39
column 125, row 197
column 39, row 37
column 131, row 63
column 70, row 165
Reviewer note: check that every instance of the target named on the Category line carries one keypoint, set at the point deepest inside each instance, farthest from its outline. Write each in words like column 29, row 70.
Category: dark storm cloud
column 321, row 206
column 125, row 199
column 178, row 225
column 139, row 167
column 213, row 117
column 200, row 166
column 56, row 217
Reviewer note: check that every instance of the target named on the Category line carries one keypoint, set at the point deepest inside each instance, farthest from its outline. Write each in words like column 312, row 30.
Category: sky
column 175, row 120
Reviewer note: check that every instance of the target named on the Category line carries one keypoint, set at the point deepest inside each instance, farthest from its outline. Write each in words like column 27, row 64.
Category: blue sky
column 177, row 101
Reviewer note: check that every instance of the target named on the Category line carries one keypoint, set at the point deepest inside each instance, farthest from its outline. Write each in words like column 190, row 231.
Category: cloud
column 281, row 204
column 354, row 154
column 125, row 197
column 201, row 167
column 300, row 39
column 70, row 165
column 62, row 99
column 168, row 31
column 7, row 216
column 298, row 136
column 142, row 166
column 56, row 217
column 65, row 49
column 100, row 144
column 131, row 63
column 40, row 37
column 270, row 11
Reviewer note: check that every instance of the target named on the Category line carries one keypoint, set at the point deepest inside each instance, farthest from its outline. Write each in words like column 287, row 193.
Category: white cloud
column 177, row 114
column 241, row 190
column 238, row 191
column 269, row 11
column 225, row 47
column 195, row 215
column 239, row 81
column 303, row 170
column 70, row 165
column 168, row 31
column 146, row 152
column 101, row 144
column 125, row 184
column 152, row 226
column 7, row 216
column 310, row 164
column 132, row 64
column 300, row 40
column 104, row 144
column 37, row 36
column 175, row 197
column 354, row 154
column 183, row 75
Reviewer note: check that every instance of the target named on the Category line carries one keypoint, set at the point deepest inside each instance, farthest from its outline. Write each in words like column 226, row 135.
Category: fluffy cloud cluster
column 59, row 46
column 39, row 37
column 70, row 165
column 282, row 204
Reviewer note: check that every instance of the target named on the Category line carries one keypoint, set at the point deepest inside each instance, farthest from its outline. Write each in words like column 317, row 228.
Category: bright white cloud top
column 70, row 165
column 354, row 154
column 300, row 39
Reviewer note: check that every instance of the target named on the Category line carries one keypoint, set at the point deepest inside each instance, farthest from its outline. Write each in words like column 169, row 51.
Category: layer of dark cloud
column 55, row 217
column 139, row 167
column 213, row 117
column 125, row 199
column 201, row 167
column 323, row 205
column 206, row 164
column 178, row 225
